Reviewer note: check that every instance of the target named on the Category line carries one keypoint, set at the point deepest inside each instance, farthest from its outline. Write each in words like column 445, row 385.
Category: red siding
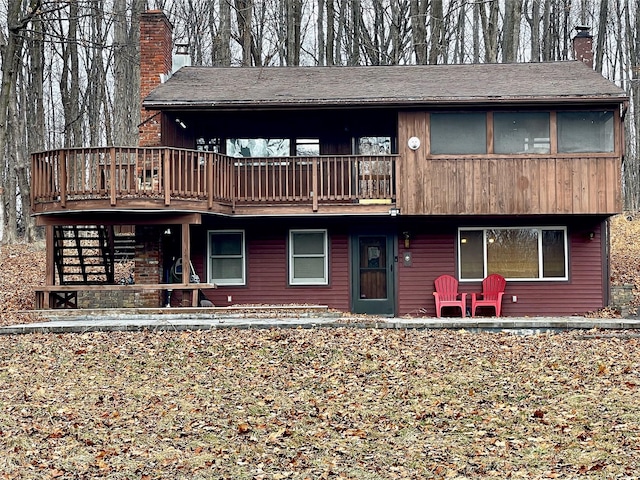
column 434, row 253
column 267, row 273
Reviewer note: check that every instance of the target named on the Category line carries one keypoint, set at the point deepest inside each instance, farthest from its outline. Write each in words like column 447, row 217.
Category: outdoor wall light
column 181, row 123
column 591, row 235
column 407, row 239
column 394, row 212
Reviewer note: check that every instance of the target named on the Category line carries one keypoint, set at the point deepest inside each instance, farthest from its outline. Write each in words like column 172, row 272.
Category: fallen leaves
column 323, row 403
column 312, row 404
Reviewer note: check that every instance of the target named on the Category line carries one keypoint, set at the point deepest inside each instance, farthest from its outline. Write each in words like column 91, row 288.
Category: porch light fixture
column 394, row 212
column 407, row 239
column 591, row 235
column 181, row 123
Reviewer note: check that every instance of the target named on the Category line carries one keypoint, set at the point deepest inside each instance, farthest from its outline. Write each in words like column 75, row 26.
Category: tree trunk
column 221, row 51
column 294, row 20
column 320, row 46
column 534, row 25
column 11, row 52
column 70, row 80
column 331, row 32
column 437, row 34
column 511, row 30
column 244, row 16
column 602, row 34
column 418, row 11
column 490, row 30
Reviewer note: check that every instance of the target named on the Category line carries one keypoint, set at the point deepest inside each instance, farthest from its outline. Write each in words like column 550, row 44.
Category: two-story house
column 352, row 187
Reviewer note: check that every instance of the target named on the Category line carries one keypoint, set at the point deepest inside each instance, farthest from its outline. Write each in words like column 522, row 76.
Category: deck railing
column 168, row 174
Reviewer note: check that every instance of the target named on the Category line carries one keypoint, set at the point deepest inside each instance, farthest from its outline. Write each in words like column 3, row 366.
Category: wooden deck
column 170, row 178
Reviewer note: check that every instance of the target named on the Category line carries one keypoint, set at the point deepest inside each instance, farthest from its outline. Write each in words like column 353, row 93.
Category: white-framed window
column 308, row 257
column 226, row 254
column 516, row 253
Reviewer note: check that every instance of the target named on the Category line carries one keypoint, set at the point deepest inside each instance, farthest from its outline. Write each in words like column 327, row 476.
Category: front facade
column 355, row 187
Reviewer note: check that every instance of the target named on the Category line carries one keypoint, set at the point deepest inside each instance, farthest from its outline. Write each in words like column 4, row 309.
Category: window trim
column 309, row 281
column 243, row 255
column 540, row 229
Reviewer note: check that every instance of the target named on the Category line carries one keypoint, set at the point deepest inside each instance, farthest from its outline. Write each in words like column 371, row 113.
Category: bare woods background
column 70, row 68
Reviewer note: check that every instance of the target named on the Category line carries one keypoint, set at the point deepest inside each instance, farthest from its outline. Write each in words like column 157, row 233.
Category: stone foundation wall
column 621, row 298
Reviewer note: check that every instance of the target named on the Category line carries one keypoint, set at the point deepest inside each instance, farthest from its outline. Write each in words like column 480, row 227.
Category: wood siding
column 502, row 185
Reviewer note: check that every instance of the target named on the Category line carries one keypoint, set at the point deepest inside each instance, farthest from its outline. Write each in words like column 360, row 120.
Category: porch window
column 307, row 147
column 373, row 146
column 258, row 147
column 458, row 133
column 308, row 258
column 584, row 132
column 226, row 257
column 521, row 132
column 525, row 253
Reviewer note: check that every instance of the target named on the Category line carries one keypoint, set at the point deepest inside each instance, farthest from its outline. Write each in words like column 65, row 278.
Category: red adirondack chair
column 446, row 294
column 492, row 291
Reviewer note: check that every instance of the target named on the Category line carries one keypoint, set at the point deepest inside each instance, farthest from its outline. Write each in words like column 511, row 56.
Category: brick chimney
column 583, row 46
column 156, row 43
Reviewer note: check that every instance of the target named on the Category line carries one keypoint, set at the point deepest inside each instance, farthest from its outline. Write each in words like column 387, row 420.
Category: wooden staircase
column 84, row 254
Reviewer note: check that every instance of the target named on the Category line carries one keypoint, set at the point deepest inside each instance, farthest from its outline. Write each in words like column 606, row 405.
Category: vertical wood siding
column 501, row 185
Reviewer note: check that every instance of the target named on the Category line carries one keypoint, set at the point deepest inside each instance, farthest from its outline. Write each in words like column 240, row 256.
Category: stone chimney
column 583, row 46
column 156, row 43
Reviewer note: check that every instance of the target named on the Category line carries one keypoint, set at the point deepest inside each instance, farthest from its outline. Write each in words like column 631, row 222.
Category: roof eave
column 382, row 102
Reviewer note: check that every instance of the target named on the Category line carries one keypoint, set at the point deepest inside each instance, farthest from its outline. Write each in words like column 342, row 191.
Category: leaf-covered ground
column 324, row 403
column 317, row 403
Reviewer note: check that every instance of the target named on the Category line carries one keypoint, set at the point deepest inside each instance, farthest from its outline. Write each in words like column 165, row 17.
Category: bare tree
column 244, row 19
column 602, row 35
column 490, row 30
column 12, row 51
column 419, row 30
column 437, row 32
column 511, row 30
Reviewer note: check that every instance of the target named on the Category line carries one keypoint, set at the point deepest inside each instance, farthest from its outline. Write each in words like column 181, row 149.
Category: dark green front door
column 373, row 274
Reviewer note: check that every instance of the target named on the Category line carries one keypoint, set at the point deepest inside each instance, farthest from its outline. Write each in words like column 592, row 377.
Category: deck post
column 186, row 258
column 314, row 184
column 62, row 175
column 49, row 275
column 112, row 166
column 167, row 179
column 209, row 158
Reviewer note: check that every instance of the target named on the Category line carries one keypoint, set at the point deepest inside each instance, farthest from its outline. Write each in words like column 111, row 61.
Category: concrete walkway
column 178, row 319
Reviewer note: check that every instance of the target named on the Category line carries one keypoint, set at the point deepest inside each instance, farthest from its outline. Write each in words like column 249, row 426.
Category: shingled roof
column 276, row 87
